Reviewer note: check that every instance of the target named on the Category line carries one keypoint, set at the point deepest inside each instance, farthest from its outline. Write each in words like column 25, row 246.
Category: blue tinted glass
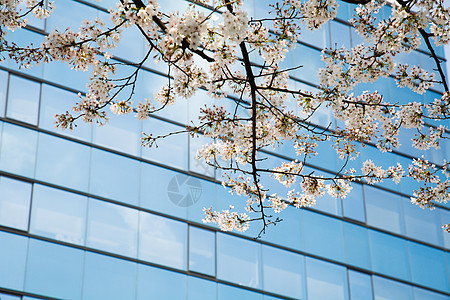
column 15, row 198
column 238, row 254
column 422, row 224
column 58, row 101
column 340, row 35
column 24, row 38
column 330, row 231
column 162, row 241
column 3, row 89
column 61, row 73
column 353, row 204
column 120, row 133
column 389, row 255
column 13, row 256
column 384, row 209
column 167, row 191
column 176, row 112
column 200, row 289
column 69, row 14
column 226, row 292
column 385, row 289
column 360, row 286
column 325, row 280
column 289, row 231
column 171, row 150
column 421, row 294
column 112, row 228
column 58, row 215
column 9, row 297
column 18, row 150
column 356, row 245
column 131, row 45
column 428, row 266
column 108, row 278
column 444, row 217
column 202, row 249
column 54, row 270
column 56, row 156
column 114, row 176
column 310, row 59
column 23, row 100
column 203, row 197
column 155, row 283
column 283, row 272
column 199, row 165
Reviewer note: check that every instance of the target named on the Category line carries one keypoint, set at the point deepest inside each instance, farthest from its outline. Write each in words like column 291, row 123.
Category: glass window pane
column 198, row 165
column 282, row 233
column 200, row 289
column 171, row 150
column 23, row 100
column 54, row 270
column 353, row 204
column 163, row 241
column 24, row 38
column 9, row 297
column 57, row 101
column 384, row 209
column 340, row 35
column 63, row 162
column 422, row 224
column 357, row 245
column 167, row 191
column 421, row 294
column 15, row 198
column 360, row 285
column 385, row 289
column 18, row 150
column 238, row 254
column 58, row 215
column 444, row 217
column 389, row 255
column 112, row 228
column 226, row 292
column 156, row 283
column 202, row 249
column 428, row 266
column 325, row 280
column 13, row 257
column 115, row 177
column 108, row 278
column 120, row 133
column 3, row 89
column 330, row 231
column 283, row 272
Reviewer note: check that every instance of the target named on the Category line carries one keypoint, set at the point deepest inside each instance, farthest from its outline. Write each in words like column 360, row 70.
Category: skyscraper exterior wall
column 90, row 214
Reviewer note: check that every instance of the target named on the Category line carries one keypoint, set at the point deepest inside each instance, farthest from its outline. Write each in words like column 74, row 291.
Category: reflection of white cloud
column 162, row 241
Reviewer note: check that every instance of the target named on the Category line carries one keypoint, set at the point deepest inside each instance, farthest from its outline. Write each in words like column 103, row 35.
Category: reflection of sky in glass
column 14, row 203
column 283, row 272
column 238, row 254
column 23, row 100
column 325, row 280
column 59, row 215
column 18, row 150
column 63, row 162
column 112, row 228
column 162, row 241
column 202, row 251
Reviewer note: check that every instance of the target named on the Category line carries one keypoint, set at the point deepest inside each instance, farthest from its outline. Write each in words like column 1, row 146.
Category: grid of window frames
column 64, row 219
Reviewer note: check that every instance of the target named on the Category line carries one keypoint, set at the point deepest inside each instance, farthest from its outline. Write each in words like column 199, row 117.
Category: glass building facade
column 90, row 214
